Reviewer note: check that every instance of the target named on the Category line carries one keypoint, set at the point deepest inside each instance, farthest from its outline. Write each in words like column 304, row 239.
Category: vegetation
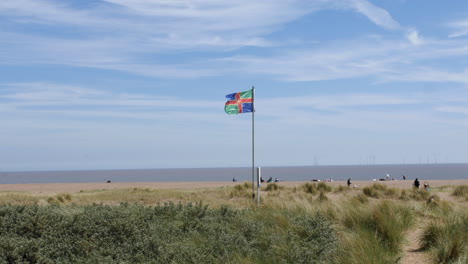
column 310, row 223
column 461, row 191
column 447, row 239
column 170, row 233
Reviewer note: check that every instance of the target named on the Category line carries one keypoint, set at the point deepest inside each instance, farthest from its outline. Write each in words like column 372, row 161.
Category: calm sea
column 297, row 173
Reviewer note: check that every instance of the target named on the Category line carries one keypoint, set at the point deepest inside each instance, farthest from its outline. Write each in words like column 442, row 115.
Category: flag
column 239, row 103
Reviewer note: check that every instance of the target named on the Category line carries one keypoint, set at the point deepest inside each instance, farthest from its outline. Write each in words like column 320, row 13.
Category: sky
column 119, row 84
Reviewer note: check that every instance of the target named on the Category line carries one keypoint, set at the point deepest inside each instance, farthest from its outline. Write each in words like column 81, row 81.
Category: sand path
column 411, row 252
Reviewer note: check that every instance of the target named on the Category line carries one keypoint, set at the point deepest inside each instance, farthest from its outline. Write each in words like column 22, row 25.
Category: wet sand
column 50, row 188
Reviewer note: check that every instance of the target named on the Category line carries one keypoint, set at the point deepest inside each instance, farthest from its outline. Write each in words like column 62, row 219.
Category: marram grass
column 291, row 225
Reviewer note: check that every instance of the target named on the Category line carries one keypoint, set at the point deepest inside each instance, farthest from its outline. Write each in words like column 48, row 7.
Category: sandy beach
column 50, row 188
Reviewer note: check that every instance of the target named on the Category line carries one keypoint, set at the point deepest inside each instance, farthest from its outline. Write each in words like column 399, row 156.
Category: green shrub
column 170, row 233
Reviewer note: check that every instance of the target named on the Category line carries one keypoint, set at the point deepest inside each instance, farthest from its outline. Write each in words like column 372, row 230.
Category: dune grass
column 461, row 191
column 367, row 225
column 447, row 238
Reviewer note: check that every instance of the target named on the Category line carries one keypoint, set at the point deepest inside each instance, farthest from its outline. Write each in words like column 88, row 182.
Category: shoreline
column 51, row 188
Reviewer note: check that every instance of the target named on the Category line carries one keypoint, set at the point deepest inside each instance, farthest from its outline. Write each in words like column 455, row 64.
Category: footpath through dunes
column 411, row 251
column 51, row 188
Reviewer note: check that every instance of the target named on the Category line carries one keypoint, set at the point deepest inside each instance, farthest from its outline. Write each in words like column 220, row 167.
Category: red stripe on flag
column 239, row 102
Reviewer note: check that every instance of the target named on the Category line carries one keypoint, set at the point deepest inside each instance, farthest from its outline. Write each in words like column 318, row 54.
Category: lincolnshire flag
column 239, row 103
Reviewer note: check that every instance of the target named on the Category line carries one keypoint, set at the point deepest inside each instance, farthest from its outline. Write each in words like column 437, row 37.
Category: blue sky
column 111, row 84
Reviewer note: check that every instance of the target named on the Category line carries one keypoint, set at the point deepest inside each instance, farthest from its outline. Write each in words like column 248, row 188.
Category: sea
column 294, row 173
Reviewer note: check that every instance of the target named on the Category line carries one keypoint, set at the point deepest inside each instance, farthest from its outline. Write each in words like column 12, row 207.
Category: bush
column 170, row 233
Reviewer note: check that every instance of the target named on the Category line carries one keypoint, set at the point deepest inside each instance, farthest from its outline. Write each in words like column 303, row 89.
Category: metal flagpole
column 253, row 143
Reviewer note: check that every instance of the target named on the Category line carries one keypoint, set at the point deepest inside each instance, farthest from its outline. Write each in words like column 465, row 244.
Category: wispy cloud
column 460, row 28
column 378, row 58
column 114, row 34
column 377, row 15
column 48, row 99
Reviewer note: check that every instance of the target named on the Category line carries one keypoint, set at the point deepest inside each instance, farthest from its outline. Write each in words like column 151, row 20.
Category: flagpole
column 253, row 143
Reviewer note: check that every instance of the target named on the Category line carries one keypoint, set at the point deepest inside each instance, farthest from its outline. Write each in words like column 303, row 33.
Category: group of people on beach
column 261, row 179
column 417, row 184
column 269, row 180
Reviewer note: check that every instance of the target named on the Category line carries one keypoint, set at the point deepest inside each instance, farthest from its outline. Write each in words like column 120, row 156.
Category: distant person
column 416, row 183
column 270, row 179
column 388, row 176
column 404, row 177
column 261, row 179
column 276, row 180
column 234, row 179
column 426, row 186
column 349, row 182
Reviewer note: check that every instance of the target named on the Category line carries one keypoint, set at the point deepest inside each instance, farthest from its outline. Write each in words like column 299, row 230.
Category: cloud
column 383, row 59
column 50, row 100
column 453, row 109
column 460, row 28
column 377, row 15
column 113, row 33
column 141, row 35
column 414, row 37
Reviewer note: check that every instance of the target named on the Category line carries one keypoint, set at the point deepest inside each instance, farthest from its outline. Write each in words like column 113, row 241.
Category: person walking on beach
column 416, row 183
column 349, row 182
